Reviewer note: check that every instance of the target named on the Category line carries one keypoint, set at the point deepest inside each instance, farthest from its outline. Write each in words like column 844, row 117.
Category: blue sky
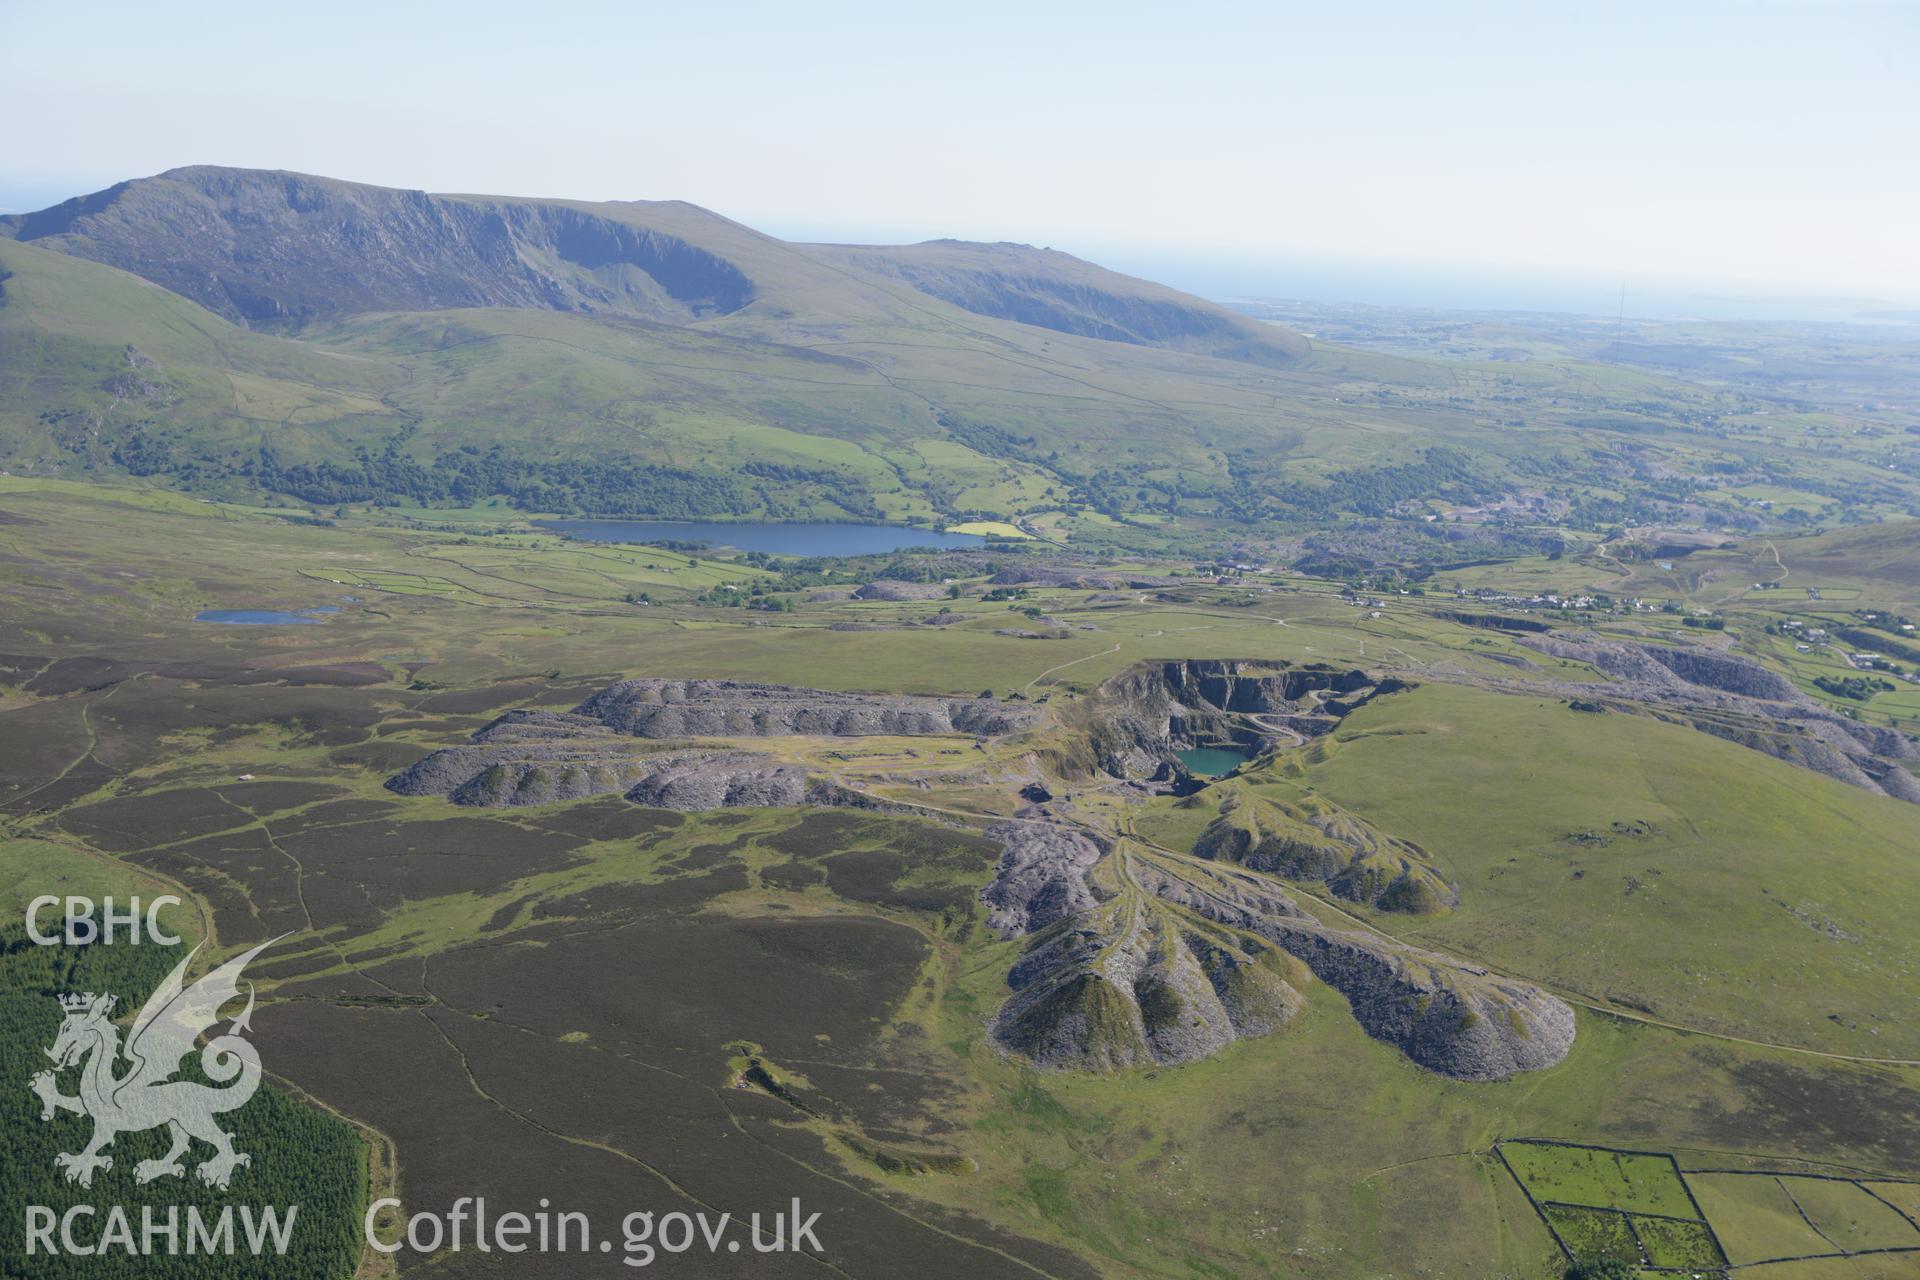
column 1761, row 145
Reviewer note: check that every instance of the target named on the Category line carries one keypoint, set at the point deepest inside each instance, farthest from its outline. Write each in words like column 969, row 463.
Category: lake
column 1211, row 762
column 795, row 539
column 266, row 617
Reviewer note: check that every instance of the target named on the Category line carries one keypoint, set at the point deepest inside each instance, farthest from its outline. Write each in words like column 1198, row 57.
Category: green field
column 1629, row 1181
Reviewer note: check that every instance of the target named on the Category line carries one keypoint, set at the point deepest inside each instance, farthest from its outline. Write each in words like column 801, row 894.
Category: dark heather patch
column 1848, row 1107
column 874, row 875
column 376, row 953
column 73, row 675
column 396, row 862
column 336, row 812
column 205, row 672
column 125, row 823
column 142, row 712
column 609, row 818
column 505, row 916
column 706, row 979
column 482, row 1061
column 727, row 819
column 274, row 797
column 487, row 698
column 381, row 757
column 625, row 903
column 703, row 856
column 345, row 675
column 215, row 869
column 36, row 743
column 335, row 901
column 823, row 832
column 15, row 667
column 83, row 779
column 793, row 876
column 401, row 976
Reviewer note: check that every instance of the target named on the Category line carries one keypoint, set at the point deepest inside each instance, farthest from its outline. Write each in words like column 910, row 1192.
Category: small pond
column 1211, row 762
column 796, row 539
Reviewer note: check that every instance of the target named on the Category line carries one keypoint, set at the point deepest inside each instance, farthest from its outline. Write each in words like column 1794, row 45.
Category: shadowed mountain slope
column 271, row 249
column 1054, row 290
column 282, row 249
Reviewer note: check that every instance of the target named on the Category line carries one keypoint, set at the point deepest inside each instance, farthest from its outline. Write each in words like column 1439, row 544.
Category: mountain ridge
column 1049, row 289
column 282, row 250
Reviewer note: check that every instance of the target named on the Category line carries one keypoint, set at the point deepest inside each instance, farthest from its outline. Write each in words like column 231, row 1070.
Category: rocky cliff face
column 279, row 250
column 1136, row 720
column 1737, row 699
column 1448, row 1016
column 1311, row 839
column 889, row 589
column 735, row 708
column 1047, row 575
column 526, row 758
column 1188, row 957
column 540, row 757
column 501, row 772
column 1042, row 876
column 696, row 780
column 1121, row 989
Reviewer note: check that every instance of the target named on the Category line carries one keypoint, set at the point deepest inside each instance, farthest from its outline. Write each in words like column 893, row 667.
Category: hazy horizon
column 1727, row 150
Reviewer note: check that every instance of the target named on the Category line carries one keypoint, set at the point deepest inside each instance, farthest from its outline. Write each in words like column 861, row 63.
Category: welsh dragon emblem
column 146, row 1095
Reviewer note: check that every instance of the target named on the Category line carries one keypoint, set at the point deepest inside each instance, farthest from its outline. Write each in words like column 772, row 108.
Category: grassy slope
column 1055, row 290
column 1752, row 867
column 66, row 325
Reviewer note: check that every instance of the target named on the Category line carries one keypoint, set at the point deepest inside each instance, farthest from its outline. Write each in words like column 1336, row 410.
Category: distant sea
column 1467, row 288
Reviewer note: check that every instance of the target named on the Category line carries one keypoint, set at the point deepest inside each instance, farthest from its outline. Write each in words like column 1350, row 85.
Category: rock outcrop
column 607, row 745
column 1042, row 575
column 696, row 780
column 893, row 589
column 1042, row 876
column 1309, row 838
column 526, row 758
column 1187, row 957
column 1136, row 721
column 1124, row 987
column 654, row 708
column 1446, row 1015
column 540, row 757
column 1734, row 698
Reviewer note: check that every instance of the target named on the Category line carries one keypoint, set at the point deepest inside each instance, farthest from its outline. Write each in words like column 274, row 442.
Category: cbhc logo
column 83, row 930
